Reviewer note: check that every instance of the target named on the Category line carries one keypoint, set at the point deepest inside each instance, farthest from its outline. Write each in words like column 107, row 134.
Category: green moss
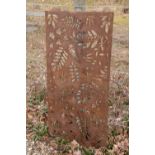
column 61, row 141
column 40, row 130
column 86, row 151
column 37, row 98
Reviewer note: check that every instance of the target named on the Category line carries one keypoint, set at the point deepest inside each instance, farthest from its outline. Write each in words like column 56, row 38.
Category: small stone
column 78, row 152
column 98, row 152
column 74, row 144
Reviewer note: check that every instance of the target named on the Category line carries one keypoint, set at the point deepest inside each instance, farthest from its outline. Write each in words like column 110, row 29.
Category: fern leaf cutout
column 74, row 72
column 59, row 59
column 52, row 19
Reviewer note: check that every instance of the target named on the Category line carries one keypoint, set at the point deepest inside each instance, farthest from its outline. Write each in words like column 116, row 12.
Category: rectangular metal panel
column 78, row 67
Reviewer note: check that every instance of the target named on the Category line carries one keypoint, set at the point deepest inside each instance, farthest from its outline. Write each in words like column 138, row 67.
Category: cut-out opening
column 87, row 137
column 70, row 122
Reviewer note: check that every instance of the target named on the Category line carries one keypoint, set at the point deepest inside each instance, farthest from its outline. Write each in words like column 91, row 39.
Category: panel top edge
column 58, row 11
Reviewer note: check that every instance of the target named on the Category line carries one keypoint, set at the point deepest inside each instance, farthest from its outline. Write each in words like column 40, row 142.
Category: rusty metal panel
column 78, row 67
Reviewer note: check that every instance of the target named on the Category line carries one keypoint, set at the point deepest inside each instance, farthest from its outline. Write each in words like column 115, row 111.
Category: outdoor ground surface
column 38, row 140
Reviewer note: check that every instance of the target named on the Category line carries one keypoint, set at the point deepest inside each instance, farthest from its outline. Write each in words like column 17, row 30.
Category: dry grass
column 121, row 20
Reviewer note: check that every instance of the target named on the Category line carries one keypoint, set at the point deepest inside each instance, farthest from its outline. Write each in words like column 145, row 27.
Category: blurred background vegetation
column 68, row 4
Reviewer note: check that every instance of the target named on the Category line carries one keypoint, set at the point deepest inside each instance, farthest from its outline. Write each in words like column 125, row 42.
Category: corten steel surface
column 78, row 67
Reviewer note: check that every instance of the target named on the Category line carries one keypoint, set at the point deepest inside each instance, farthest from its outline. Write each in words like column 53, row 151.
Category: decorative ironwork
column 78, row 68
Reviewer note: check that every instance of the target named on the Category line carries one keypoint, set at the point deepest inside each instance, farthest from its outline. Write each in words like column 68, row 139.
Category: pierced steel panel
column 78, row 66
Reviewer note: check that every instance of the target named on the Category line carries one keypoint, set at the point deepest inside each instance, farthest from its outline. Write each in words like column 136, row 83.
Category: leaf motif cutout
column 74, row 72
column 72, row 51
column 58, row 42
column 107, row 27
column 89, row 57
column 104, row 73
column 90, row 21
column 92, row 43
column 73, row 22
column 59, row 59
column 102, row 42
column 52, row 19
column 92, row 34
column 51, row 35
column 58, row 31
column 104, row 20
column 78, row 97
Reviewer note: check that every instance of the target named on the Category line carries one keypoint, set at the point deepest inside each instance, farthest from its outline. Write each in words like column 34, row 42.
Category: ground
column 38, row 140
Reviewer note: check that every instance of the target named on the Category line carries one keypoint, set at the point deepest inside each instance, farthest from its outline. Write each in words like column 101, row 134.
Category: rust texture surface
column 78, row 66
